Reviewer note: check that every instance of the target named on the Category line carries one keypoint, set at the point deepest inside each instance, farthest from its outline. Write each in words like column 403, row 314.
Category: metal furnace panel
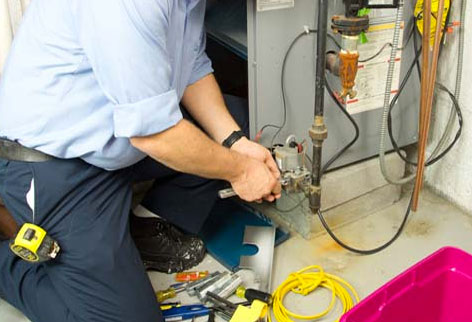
column 269, row 35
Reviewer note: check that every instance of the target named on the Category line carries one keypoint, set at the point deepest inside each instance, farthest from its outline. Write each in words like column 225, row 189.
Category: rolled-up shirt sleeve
column 202, row 65
column 125, row 43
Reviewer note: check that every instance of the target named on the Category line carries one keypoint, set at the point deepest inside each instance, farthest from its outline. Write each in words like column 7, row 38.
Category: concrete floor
column 436, row 225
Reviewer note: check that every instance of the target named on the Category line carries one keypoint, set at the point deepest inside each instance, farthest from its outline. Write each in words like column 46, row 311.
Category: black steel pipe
column 318, row 132
column 321, row 40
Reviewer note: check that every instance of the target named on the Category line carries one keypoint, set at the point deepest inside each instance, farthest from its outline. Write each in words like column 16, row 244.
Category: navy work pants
column 98, row 276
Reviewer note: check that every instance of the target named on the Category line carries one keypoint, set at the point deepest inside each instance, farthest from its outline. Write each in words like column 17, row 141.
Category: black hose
column 395, row 99
column 371, row 251
column 354, row 124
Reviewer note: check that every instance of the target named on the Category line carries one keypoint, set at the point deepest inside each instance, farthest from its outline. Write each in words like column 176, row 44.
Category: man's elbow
column 157, row 145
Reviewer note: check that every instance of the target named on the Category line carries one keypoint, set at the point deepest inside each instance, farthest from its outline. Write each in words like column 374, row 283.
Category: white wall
column 452, row 176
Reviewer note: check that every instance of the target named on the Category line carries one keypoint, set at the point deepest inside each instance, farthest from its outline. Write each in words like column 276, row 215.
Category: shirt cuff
column 147, row 117
column 202, row 67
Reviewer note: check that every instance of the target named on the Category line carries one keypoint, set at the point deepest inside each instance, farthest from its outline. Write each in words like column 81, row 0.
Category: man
column 96, row 84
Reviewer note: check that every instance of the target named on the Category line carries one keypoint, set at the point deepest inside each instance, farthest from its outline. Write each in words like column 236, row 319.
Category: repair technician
column 90, row 93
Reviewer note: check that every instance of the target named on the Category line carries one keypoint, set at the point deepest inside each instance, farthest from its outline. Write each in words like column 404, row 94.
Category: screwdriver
column 229, row 192
column 251, row 295
column 190, row 276
column 170, row 293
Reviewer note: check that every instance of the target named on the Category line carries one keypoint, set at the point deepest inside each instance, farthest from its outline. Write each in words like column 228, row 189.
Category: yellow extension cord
column 305, row 282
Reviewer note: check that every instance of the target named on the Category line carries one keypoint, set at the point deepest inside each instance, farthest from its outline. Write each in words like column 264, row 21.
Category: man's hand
column 260, row 153
column 256, row 181
column 186, row 148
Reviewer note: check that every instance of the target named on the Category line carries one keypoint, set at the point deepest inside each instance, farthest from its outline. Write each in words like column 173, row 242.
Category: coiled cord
column 307, row 281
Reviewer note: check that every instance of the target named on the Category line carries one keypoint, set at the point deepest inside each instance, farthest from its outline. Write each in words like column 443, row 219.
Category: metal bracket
column 261, row 263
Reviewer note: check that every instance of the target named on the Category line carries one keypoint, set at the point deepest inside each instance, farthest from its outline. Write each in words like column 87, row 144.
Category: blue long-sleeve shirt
column 83, row 76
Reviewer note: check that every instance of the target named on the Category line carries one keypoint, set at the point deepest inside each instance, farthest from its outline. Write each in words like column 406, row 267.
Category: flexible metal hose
column 457, row 92
column 388, row 90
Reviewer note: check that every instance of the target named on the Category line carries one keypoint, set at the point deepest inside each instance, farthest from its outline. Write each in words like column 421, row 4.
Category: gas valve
column 290, row 158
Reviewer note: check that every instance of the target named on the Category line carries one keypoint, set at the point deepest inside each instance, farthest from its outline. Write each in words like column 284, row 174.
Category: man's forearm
column 186, row 148
column 204, row 101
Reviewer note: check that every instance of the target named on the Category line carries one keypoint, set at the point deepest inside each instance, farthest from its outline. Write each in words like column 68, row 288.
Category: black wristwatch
column 233, row 138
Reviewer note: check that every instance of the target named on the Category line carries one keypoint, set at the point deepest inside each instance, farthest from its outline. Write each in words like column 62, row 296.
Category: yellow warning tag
column 434, row 17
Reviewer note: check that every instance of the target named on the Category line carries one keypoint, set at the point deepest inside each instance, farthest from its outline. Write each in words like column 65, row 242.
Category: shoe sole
column 171, row 265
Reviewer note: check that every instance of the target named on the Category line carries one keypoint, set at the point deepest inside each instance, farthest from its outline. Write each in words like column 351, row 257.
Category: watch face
column 381, row 2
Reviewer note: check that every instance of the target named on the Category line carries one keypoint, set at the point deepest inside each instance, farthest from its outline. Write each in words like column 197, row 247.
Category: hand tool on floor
column 193, row 286
column 33, row 244
column 190, row 287
column 216, row 286
column 252, row 295
column 211, row 316
column 168, row 306
column 223, row 308
column 186, row 312
column 230, row 287
column 254, row 313
column 170, row 293
column 190, row 276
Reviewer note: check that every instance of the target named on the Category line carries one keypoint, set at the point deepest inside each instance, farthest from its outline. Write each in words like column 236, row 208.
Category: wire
column 433, row 159
column 430, row 161
column 410, row 35
column 370, row 251
column 307, row 281
column 282, row 82
column 377, row 54
column 351, row 119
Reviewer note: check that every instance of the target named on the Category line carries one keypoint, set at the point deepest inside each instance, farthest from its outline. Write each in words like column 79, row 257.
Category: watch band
column 233, row 138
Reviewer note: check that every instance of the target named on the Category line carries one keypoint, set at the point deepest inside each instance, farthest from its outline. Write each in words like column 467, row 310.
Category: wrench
column 229, row 192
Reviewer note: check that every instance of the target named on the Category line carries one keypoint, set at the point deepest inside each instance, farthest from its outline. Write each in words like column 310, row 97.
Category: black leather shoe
column 165, row 248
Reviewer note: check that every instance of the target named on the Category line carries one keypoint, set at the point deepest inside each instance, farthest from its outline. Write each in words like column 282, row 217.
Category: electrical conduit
column 388, row 90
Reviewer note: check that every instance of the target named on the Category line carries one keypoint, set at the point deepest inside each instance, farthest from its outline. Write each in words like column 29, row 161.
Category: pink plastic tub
column 438, row 289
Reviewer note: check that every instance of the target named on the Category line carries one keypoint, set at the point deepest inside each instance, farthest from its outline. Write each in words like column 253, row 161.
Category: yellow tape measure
column 434, row 18
column 33, row 244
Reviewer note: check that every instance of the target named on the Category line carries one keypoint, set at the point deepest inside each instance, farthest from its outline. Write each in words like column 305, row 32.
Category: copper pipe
column 425, row 121
column 425, row 70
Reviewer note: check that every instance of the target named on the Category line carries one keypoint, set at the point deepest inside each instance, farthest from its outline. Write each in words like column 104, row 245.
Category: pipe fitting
column 314, row 197
column 318, row 131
